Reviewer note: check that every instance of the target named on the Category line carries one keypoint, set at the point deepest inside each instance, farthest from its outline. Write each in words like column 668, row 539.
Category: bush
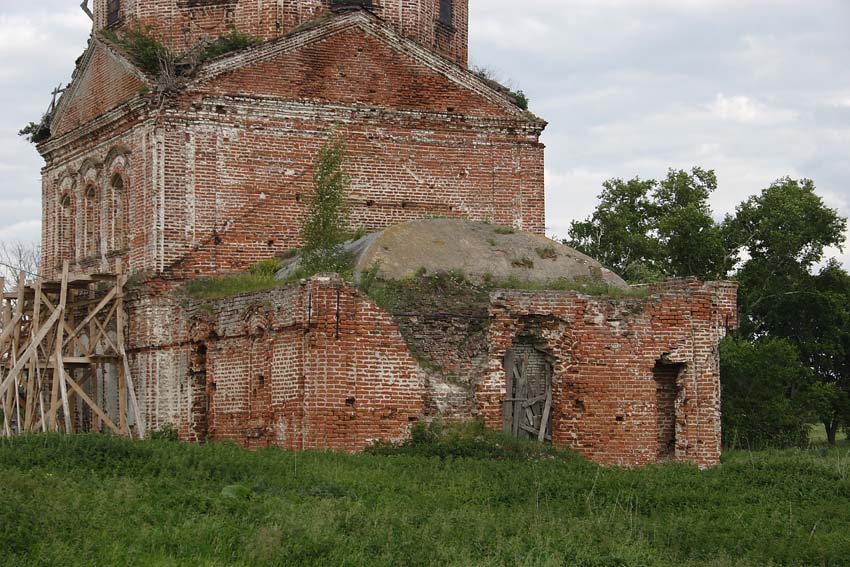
column 234, row 41
column 765, row 394
column 166, row 432
column 467, row 440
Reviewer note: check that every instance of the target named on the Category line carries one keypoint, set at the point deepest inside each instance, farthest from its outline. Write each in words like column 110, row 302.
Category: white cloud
column 747, row 110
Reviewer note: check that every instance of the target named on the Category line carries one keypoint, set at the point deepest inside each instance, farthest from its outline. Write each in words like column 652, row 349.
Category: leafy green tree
column 619, row 234
column 691, row 239
column 765, row 397
column 781, row 234
column 325, row 227
column 647, row 230
column 819, row 324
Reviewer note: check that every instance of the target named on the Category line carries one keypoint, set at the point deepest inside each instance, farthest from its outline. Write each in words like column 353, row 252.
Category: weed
column 146, row 51
column 290, row 254
column 259, row 277
column 234, row 41
column 547, row 253
column 36, row 132
column 504, row 230
column 523, row 262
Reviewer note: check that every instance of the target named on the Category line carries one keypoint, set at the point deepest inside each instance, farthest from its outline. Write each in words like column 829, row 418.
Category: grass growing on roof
column 260, row 277
column 102, row 500
column 454, row 291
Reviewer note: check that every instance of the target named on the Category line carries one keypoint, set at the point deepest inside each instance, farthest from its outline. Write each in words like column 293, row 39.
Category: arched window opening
column 113, row 12
column 66, row 237
column 91, row 221
column 446, row 12
column 119, row 224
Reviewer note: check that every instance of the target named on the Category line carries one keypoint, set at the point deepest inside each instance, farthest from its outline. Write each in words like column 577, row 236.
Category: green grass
column 817, row 436
column 97, row 500
column 260, row 277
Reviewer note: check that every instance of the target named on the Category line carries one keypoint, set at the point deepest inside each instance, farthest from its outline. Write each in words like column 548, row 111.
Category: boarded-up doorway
column 528, row 404
column 666, row 376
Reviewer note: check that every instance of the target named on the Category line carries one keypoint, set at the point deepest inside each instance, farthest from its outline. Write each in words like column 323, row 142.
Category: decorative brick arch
column 117, row 199
column 90, row 229
column 66, row 225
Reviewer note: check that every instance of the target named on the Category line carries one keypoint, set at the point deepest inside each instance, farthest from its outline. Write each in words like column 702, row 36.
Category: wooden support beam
column 88, row 401
column 119, row 337
column 60, row 331
column 100, row 306
column 19, row 313
column 547, row 408
column 42, row 333
column 33, row 384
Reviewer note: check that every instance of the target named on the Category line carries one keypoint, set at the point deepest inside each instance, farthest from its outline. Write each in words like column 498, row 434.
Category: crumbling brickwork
column 318, row 364
column 606, row 397
column 211, row 172
column 314, row 364
column 181, row 24
column 217, row 176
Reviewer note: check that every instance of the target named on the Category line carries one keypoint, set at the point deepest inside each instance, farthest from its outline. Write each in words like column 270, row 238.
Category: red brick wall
column 318, row 365
column 220, row 177
column 181, row 24
column 605, row 399
column 311, row 365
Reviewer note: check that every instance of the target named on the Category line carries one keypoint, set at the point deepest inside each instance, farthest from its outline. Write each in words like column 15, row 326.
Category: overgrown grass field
column 98, row 500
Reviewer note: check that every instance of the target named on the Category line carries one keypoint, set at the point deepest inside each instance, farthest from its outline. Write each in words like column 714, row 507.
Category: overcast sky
column 754, row 89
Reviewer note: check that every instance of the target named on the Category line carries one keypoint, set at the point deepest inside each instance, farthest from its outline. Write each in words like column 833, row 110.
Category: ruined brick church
column 180, row 175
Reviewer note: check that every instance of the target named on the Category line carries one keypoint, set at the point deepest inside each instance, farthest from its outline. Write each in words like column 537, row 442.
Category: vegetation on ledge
column 153, row 57
column 260, row 277
column 453, row 292
column 36, row 132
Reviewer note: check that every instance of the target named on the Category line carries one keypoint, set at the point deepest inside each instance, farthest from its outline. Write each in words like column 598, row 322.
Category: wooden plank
column 103, row 334
column 9, row 329
column 100, row 306
column 33, row 385
column 81, row 393
column 547, row 408
column 121, row 281
column 533, row 401
column 60, row 331
column 19, row 311
column 520, row 394
column 42, row 333
column 65, row 324
column 534, row 432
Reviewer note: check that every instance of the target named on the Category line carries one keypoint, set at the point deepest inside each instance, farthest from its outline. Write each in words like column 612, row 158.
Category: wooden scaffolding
column 63, row 365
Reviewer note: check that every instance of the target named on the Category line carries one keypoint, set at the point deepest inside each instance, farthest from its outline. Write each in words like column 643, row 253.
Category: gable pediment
column 104, row 81
column 355, row 59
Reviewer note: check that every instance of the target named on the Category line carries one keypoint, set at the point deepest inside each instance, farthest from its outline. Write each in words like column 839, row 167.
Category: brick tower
column 440, row 25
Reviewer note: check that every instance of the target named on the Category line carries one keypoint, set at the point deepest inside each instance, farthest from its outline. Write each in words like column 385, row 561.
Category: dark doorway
column 528, row 404
column 666, row 392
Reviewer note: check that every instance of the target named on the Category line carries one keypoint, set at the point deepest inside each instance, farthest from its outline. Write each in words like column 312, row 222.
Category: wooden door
column 528, row 402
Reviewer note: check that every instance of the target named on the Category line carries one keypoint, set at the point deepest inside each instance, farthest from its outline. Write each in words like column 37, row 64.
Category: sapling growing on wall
column 325, row 228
